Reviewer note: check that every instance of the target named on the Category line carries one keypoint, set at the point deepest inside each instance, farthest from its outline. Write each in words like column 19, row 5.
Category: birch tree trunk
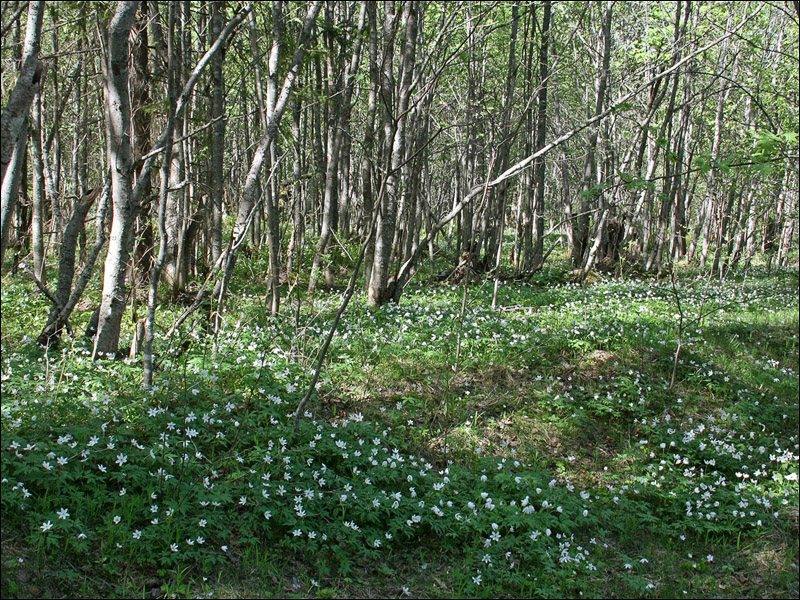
column 118, row 119
column 273, row 216
column 38, row 200
column 380, row 290
column 13, row 126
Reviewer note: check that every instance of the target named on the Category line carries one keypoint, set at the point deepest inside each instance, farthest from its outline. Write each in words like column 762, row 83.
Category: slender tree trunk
column 380, row 289
column 155, row 276
column 175, row 219
column 581, row 227
column 142, row 142
column 13, row 125
column 541, row 132
column 273, row 216
column 118, row 116
column 785, row 220
column 722, row 231
column 672, row 159
column 297, row 238
column 367, row 161
column 387, row 207
column 334, row 82
column 65, row 295
column 38, row 200
column 713, row 186
column 337, row 132
column 217, row 136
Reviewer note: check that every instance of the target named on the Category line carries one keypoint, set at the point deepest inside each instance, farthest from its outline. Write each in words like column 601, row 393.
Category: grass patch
column 534, row 450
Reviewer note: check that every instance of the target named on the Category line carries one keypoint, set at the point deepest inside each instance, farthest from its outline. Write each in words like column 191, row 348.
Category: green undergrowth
column 540, row 449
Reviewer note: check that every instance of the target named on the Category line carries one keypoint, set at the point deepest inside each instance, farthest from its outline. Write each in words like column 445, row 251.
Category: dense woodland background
column 485, row 298
column 487, row 134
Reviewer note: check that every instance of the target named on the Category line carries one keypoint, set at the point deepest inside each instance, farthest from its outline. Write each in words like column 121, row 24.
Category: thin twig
column 331, row 332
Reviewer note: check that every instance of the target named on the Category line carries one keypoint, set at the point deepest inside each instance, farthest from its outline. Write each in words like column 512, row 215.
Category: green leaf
column 764, row 168
column 723, row 165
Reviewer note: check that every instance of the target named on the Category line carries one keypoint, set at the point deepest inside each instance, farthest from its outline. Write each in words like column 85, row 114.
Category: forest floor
column 555, row 446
